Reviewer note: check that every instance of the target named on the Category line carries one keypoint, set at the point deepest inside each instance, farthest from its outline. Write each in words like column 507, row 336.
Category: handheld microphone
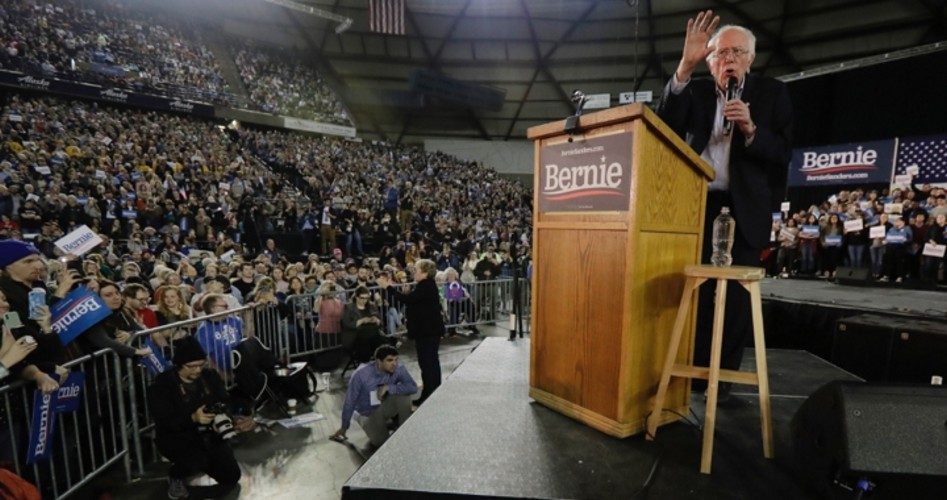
column 731, row 93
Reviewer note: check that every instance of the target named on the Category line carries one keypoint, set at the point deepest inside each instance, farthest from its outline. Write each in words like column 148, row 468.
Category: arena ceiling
column 537, row 51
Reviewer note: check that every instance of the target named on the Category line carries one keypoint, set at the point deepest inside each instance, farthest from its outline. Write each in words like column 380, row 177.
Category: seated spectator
column 246, row 282
column 216, row 286
column 137, row 299
column 220, row 335
column 459, row 303
column 269, row 313
column 378, row 393
column 172, row 307
column 189, row 405
column 361, row 326
column 330, row 309
column 115, row 331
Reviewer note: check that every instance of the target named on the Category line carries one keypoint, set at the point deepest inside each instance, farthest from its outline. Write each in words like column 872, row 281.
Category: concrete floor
column 301, row 463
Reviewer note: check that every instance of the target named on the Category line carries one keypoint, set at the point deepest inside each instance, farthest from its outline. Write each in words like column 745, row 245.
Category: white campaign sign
column 934, row 250
column 784, row 206
column 79, row 241
column 876, row 232
column 854, row 225
column 893, row 208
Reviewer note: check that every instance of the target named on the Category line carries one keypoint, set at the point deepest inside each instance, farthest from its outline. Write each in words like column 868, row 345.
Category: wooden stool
column 749, row 278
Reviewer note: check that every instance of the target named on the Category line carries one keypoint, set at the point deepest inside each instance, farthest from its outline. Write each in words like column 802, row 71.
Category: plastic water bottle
column 724, row 226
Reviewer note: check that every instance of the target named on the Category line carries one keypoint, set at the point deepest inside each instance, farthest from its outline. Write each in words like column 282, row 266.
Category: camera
column 223, row 426
column 218, row 408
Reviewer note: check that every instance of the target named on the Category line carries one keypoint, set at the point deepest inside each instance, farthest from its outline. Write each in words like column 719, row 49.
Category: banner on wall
column 853, row 163
column 87, row 90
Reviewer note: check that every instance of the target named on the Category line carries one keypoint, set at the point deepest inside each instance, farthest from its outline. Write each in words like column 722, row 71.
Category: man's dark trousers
column 738, row 324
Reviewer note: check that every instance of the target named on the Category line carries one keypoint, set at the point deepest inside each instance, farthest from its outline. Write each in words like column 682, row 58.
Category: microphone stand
column 572, row 122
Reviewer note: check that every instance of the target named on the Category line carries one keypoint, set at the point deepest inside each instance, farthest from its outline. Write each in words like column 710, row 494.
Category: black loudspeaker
column 893, row 436
column 853, row 276
column 881, row 348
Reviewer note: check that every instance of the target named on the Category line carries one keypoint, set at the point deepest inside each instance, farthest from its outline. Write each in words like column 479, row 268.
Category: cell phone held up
column 12, row 320
column 37, row 299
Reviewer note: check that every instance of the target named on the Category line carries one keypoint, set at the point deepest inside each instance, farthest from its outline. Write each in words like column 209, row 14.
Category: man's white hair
column 750, row 37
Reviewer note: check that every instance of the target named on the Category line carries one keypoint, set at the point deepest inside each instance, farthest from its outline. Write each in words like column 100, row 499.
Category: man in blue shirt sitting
column 378, row 392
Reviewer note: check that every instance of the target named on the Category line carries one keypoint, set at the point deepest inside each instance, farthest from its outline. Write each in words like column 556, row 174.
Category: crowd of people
column 108, row 43
column 181, row 203
column 838, row 232
column 114, row 44
column 278, row 83
column 154, row 182
column 401, row 198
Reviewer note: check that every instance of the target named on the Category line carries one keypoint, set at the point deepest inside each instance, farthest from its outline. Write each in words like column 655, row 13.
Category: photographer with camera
column 189, row 404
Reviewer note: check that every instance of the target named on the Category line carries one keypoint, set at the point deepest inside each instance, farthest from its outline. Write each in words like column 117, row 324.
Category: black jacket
column 423, row 309
column 172, row 407
column 758, row 172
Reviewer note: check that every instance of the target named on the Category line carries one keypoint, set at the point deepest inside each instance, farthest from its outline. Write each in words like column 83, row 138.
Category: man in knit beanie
column 21, row 268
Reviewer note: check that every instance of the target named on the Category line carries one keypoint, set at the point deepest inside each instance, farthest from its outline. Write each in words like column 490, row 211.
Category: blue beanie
column 14, row 250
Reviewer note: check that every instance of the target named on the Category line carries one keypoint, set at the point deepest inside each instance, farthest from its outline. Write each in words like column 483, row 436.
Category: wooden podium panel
column 606, row 283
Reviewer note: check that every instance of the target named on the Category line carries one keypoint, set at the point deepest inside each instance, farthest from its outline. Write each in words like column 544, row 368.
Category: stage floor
column 882, row 300
column 480, row 435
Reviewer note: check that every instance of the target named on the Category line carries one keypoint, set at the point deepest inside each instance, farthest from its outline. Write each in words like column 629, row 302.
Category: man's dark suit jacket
column 758, row 172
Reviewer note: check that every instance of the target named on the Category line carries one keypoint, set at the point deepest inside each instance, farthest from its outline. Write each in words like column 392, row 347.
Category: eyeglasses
column 737, row 53
column 363, row 297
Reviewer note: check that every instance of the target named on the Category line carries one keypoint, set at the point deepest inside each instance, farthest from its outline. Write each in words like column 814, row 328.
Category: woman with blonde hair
column 171, row 305
column 269, row 311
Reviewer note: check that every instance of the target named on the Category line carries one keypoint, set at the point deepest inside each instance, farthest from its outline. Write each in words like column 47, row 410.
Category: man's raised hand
column 699, row 31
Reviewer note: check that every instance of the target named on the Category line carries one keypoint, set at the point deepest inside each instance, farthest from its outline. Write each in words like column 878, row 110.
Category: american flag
column 929, row 153
column 386, row 16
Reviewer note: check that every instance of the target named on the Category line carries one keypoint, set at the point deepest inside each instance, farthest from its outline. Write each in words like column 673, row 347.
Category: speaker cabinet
column 891, row 349
column 853, row 276
column 892, row 435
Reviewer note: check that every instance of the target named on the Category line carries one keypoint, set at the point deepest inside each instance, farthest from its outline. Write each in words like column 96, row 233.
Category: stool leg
column 713, row 379
column 687, row 298
column 762, row 373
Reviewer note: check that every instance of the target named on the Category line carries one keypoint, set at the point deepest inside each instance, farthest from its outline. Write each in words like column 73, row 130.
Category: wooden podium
column 617, row 215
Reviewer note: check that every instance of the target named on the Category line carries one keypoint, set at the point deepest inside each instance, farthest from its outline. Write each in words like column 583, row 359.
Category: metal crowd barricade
column 240, row 321
column 86, row 442
column 302, row 337
column 481, row 303
column 485, row 302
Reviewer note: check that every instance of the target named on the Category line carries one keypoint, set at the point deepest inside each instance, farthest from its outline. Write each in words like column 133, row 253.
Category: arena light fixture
column 344, row 22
